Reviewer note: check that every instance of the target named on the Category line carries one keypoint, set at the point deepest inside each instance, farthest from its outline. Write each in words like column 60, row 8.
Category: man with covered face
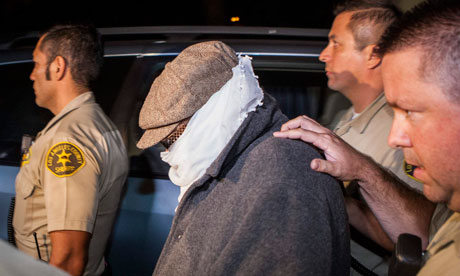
column 247, row 205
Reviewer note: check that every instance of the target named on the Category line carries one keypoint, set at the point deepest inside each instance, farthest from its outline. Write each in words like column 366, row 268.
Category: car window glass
column 20, row 115
column 18, row 112
column 146, row 163
column 110, row 81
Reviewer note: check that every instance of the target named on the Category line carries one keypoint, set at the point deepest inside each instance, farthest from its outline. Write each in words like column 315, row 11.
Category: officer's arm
column 362, row 218
column 397, row 208
column 70, row 250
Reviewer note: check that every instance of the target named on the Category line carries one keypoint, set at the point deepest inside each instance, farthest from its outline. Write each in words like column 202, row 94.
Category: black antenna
column 38, row 247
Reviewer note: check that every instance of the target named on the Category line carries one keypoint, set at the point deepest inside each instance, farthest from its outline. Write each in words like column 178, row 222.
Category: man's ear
column 373, row 59
column 59, row 67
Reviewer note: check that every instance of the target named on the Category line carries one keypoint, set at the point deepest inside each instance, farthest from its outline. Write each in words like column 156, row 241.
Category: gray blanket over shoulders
column 260, row 210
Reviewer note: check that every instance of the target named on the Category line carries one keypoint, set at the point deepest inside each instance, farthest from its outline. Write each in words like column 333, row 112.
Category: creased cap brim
column 153, row 136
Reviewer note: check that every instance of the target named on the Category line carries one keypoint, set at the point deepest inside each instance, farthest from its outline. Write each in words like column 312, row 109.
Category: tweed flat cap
column 184, row 86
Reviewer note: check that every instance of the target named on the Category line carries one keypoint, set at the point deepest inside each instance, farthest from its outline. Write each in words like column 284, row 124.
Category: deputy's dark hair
column 369, row 20
column 433, row 27
column 80, row 46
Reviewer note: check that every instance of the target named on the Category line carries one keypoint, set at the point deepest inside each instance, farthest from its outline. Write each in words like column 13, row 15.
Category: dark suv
column 286, row 61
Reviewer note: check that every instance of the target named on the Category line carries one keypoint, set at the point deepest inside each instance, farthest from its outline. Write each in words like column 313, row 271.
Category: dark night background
column 32, row 15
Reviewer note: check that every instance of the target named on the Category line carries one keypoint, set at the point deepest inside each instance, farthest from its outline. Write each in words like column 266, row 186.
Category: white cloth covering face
column 212, row 126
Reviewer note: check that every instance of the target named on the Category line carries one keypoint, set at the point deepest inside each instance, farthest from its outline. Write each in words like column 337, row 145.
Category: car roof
column 171, row 40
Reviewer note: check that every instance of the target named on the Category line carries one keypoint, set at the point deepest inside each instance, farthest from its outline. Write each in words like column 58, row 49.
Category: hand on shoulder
column 342, row 160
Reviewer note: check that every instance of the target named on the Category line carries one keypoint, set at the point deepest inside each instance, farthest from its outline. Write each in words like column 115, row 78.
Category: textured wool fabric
column 183, row 87
column 260, row 210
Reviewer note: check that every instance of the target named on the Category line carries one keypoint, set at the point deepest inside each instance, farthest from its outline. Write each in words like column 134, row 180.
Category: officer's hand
column 342, row 161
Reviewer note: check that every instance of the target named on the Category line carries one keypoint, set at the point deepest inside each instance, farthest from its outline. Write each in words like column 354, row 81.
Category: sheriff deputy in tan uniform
column 69, row 185
column 354, row 71
column 420, row 57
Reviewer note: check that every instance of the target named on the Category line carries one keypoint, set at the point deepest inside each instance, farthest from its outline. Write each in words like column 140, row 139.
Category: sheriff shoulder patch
column 64, row 159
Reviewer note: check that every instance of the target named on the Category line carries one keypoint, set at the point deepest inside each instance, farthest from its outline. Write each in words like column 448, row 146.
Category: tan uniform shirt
column 443, row 252
column 368, row 133
column 71, row 179
column 440, row 216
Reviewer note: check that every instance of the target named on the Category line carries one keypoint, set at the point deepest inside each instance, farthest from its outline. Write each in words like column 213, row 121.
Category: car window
column 110, row 81
column 297, row 92
column 146, row 163
column 18, row 112
column 21, row 116
column 299, row 87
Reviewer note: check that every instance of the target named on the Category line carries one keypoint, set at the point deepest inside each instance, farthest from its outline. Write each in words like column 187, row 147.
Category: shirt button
column 179, row 237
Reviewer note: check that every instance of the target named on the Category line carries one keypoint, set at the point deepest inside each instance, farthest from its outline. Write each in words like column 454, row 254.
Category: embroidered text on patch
column 64, row 159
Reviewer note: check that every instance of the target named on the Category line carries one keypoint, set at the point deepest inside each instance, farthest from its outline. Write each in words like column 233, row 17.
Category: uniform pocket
column 27, row 190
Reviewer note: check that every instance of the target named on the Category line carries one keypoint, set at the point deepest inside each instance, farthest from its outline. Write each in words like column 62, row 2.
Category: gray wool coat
column 260, row 210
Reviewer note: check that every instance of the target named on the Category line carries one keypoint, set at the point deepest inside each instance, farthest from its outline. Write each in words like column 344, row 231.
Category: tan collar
column 447, row 235
column 364, row 118
column 85, row 98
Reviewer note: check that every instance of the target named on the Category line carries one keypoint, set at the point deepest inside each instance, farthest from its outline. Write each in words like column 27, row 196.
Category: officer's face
column 425, row 126
column 345, row 65
column 43, row 85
